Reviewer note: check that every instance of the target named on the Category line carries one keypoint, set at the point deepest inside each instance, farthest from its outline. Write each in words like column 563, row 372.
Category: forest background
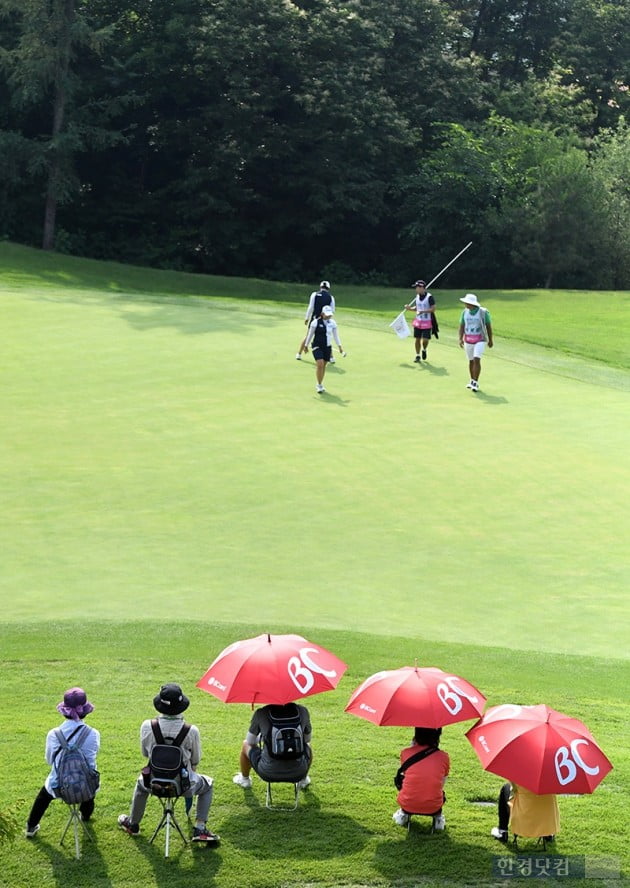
column 356, row 140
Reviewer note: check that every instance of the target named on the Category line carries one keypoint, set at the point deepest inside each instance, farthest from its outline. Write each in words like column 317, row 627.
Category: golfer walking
column 321, row 332
column 475, row 330
column 319, row 298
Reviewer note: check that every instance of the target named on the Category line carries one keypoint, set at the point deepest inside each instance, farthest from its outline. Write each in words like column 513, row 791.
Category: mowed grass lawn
column 172, row 482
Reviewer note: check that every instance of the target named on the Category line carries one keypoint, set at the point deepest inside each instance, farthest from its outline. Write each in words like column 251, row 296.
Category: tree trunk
column 59, row 113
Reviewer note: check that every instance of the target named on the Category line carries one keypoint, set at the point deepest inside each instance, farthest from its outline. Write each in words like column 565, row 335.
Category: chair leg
column 167, row 820
column 75, row 819
column 269, row 799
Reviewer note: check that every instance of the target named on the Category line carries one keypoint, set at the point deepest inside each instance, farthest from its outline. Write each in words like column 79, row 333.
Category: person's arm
column 335, row 333
column 489, row 331
column 309, row 310
column 310, row 334
column 195, row 746
column 52, row 745
column 147, row 740
column 461, row 334
column 431, row 308
column 91, row 747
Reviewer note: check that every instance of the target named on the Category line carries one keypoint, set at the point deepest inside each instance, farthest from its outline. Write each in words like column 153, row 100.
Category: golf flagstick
column 440, row 273
column 448, row 265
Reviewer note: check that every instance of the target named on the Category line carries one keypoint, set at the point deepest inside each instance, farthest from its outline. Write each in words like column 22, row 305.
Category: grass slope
column 165, row 454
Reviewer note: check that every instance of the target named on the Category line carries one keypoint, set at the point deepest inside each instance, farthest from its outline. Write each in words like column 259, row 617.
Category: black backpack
column 167, row 775
column 285, row 739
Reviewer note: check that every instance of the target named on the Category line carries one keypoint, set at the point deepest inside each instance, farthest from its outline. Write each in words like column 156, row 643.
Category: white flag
column 400, row 326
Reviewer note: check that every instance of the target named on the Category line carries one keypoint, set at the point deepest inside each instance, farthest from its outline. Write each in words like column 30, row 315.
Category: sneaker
column 418, row 359
column 204, row 835
column 424, row 354
column 399, row 817
column 320, row 388
column 499, row 834
column 298, row 357
column 439, row 822
column 244, row 782
column 302, row 784
column 471, row 384
column 125, row 823
column 475, row 385
column 30, row 831
column 332, row 360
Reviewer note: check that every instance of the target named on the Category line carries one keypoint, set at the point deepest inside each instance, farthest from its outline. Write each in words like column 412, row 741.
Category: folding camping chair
column 74, row 820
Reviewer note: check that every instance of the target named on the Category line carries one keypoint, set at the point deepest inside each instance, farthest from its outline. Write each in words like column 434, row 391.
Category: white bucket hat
column 470, row 299
column 328, row 311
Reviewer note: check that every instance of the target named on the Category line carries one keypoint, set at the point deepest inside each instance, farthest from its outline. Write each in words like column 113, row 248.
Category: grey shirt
column 271, row 768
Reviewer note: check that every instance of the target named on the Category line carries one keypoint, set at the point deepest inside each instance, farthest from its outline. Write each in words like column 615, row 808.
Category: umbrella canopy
column 271, row 669
column 419, row 697
column 539, row 748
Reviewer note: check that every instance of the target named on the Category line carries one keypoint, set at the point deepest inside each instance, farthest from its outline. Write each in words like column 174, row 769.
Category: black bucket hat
column 171, row 700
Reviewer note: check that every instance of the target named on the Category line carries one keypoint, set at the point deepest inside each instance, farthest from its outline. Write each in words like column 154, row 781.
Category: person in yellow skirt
column 526, row 814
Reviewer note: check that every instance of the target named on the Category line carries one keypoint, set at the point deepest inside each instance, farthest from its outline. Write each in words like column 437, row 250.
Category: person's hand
column 490, row 344
column 461, row 343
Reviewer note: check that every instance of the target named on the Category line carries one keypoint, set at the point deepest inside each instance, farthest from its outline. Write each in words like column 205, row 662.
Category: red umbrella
column 538, row 748
column 421, row 697
column 271, row 669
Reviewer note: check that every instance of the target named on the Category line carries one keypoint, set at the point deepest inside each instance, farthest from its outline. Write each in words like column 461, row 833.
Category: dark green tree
column 45, row 58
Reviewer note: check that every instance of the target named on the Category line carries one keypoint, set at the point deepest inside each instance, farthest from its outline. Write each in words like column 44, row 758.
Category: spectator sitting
column 422, row 790
column 170, row 703
column 256, row 751
column 527, row 814
column 74, row 707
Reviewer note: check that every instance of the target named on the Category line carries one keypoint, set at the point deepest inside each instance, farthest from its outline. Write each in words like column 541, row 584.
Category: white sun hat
column 470, row 299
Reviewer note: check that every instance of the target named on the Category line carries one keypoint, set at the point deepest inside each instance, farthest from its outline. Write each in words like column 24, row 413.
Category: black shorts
column 322, row 352
column 422, row 334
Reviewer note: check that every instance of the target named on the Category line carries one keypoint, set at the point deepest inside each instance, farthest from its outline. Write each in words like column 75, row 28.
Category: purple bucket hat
column 75, row 704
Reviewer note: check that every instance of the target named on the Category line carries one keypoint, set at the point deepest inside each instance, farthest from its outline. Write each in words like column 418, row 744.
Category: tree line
column 295, row 139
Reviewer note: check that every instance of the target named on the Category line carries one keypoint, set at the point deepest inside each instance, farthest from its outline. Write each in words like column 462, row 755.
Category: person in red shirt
column 422, row 790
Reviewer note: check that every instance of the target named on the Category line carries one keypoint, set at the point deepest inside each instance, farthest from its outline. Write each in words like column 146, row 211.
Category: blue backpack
column 76, row 781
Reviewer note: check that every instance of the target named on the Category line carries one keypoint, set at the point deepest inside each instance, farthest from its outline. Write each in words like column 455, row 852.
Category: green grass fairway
column 158, row 452
column 166, row 459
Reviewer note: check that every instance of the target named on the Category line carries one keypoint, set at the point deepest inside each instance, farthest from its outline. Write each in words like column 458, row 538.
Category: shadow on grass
column 490, row 399
column 202, row 863
column 207, row 318
column 69, row 872
column 433, row 369
column 427, row 857
column 328, row 398
column 308, row 833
